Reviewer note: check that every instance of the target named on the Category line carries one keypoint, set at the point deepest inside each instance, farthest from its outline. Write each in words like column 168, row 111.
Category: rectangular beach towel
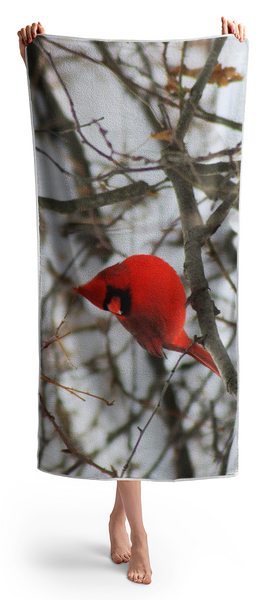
column 138, row 153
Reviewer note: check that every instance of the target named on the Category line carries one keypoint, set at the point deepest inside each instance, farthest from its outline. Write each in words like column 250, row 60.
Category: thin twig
column 73, row 390
column 70, row 448
column 166, row 385
column 56, row 338
column 217, row 259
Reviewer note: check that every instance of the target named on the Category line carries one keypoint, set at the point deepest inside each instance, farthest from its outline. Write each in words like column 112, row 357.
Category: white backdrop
column 209, row 539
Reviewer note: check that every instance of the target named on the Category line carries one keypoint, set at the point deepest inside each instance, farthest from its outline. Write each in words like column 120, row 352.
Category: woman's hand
column 233, row 27
column 26, row 35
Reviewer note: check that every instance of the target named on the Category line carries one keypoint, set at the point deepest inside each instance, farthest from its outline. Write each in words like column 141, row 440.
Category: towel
column 138, row 150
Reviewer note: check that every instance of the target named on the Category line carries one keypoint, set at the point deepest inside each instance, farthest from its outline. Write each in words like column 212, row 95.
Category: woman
column 128, row 493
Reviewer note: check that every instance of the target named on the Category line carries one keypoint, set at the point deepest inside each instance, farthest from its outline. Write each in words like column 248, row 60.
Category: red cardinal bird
column 146, row 295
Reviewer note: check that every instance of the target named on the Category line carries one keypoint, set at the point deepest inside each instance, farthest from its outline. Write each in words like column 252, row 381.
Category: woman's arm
column 26, row 35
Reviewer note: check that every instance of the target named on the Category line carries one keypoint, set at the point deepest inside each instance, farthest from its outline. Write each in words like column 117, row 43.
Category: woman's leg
column 129, row 497
column 120, row 543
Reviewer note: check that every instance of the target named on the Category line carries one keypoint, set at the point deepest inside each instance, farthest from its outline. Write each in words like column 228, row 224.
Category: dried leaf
column 220, row 75
column 172, row 86
column 166, row 134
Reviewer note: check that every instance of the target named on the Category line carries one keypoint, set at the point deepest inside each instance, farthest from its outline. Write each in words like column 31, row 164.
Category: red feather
column 146, row 295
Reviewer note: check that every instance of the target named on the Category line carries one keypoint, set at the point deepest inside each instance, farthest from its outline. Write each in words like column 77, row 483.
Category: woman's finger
column 231, row 27
column 28, row 33
column 224, row 26
column 34, row 28
column 242, row 33
column 41, row 29
column 23, row 36
column 236, row 29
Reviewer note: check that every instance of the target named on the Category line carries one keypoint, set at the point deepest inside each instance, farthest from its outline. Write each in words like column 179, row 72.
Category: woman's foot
column 139, row 566
column 119, row 539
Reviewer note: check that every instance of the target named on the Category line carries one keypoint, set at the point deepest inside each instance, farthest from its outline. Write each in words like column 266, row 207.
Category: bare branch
column 166, row 385
column 73, row 391
column 196, row 92
column 71, row 450
column 218, row 216
column 217, row 259
column 133, row 193
column 194, row 235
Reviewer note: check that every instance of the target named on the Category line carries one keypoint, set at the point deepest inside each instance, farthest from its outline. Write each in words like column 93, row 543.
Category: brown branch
column 73, row 391
column 205, row 308
column 133, row 88
column 73, row 145
column 70, row 448
column 213, row 118
column 178, row 165
column 196, row 92
column 218, row 216
column 132, row 192
column 225, row 152
column 73, row 110
column 61, row 132
column 57, row 338
column 216, row 258
column 142, row 431
column 195, row 235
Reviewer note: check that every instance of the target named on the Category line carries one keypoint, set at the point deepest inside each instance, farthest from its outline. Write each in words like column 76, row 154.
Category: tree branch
column 132, row 192
column 142, row 431
column 196, row 92
column 194, row 235
column 218, row 216
column 71, row 450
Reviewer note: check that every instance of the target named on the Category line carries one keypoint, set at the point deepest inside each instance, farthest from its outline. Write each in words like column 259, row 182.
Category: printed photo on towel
column 138, row 152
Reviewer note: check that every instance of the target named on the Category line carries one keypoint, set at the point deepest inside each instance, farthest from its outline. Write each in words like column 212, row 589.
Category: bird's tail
column 196, row 351
column 204, row 357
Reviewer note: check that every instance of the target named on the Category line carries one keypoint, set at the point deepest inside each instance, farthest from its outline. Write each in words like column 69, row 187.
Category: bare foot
column 139, row 566
column 119, row 539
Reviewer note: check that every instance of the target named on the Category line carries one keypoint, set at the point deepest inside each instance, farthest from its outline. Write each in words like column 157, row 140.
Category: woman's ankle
column 138, row 535
column 117, row 517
